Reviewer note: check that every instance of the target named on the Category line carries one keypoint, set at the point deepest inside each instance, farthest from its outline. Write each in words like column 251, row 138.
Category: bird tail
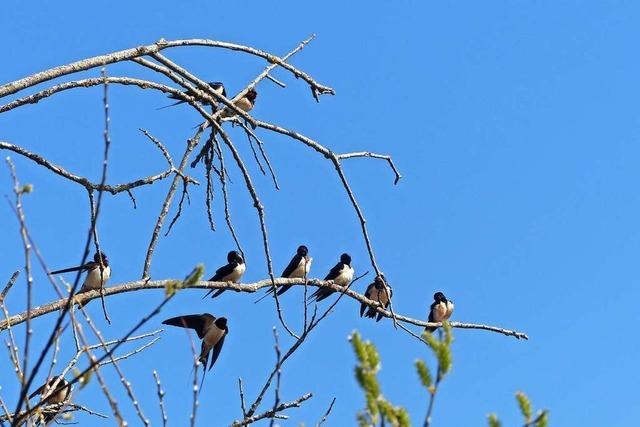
column 371, row 313
column 170, row 105
column 217, row 293
column 67, row 270
column 266, row 294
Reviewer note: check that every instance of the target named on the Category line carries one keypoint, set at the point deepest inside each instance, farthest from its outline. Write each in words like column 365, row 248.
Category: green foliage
column 84, row 379
column 173, row 286
column 424, row 374
column 441, row 349
column 494, row 421
column 26, row 189
column 525, row 405
column 541, row 419
column 377, row 408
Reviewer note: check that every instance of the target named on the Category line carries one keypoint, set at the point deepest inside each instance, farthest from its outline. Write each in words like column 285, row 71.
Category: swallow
column 246, row 104
column 380, row 292
column 231, row 272
column 217, row 87
column 63, row 395
column 441, row 309
column 96, row 277
column 210, row 330
column 298, row 267
column 341, row 274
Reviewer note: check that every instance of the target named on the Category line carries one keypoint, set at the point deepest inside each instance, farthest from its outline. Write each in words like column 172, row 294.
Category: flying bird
column 217, row 87
column 380, row 292
column 341, row 274
column 63, row 395
column 231, row 272
column 96, row 277
column 298, row 267
column 210, row 330
column 441, row 309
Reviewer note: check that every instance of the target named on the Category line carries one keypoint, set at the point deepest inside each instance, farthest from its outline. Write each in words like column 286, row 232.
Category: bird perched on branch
column 246, row 104
column 210, row 330
column 380, row 292
column 49, row 394
column 97, row 276
column 441, row 310
column 231, row 272
column 217, row 87
column 341, row 274
column 298, row 267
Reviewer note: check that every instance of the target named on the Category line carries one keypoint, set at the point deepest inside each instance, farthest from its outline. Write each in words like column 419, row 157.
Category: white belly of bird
column 236, row 274
column 302, row 269
column 213, row 335
column 449, row 310
column 94, row 280
column 345, row 277
column 440, row 312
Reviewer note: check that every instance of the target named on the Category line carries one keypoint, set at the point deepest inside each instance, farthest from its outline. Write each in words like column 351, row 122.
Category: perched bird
column 210, row 329
column 341, row 274
column 377, row 291
column 246, row 104
column 298, row 267
column 217, row 87
column 231, row 272
column 441, row 309
column 96, row 277
column 63, row 395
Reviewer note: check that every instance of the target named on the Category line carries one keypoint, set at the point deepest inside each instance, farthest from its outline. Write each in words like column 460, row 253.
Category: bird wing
column 293, row 264
column 222, row 272
column 217, row 349
column 197, row 322
column 38, row 391
column 367, row 294
column 84, row 267
column 335, row 271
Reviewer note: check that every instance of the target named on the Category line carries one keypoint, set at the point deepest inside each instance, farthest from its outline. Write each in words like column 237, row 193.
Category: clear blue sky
column 515, row 126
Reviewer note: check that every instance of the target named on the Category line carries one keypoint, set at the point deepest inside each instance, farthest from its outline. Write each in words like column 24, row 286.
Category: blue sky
column 514, row 124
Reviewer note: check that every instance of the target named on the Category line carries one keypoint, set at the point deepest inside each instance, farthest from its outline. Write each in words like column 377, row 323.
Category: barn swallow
column 441, row 309
column 232, row 272
column 341, row 274
column 96, row 277
column 61, row 396
column 210, row 330
column 298, row 267
column 217, row 87
column 246, row 104
column 380, row 292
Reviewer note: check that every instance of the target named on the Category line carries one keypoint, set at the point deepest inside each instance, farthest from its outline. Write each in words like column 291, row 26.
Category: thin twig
column 160, row 398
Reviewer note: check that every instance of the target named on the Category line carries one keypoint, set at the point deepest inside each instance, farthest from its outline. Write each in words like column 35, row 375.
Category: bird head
column 98, row 255
column 345, row 259
column 380, row 281
column 302, row 250
column 234, row 256
column 439, row 297
column 218, row 87
column 221, row 322
column 251, row 95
